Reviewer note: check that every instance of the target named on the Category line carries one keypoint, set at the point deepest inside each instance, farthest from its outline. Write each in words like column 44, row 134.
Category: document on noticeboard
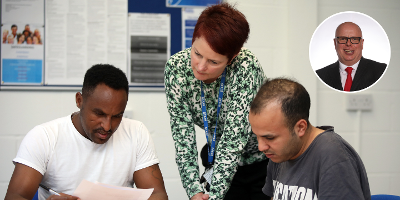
column 98, row 191
column 150, row 45
column 81, row 33
column 22, row 51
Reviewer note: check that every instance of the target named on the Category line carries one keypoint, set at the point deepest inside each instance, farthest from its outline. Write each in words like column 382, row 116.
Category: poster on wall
column 22, row 45
column 50, row 44
column 150, row 36
column 189, row 20
column 190, row 3
column 81, row 34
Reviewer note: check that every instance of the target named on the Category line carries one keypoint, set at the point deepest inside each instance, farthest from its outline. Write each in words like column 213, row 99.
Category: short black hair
column 104, row 73
column 293, row 97
column 12, row 26
column 23, row 32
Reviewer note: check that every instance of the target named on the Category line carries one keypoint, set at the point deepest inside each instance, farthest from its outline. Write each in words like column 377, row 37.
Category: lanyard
column 211, row 148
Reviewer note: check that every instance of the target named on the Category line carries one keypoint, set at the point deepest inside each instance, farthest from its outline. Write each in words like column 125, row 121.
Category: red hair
column 224, row 28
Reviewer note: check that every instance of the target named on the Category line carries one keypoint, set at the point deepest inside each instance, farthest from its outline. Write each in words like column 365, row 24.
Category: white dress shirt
column 343, row 73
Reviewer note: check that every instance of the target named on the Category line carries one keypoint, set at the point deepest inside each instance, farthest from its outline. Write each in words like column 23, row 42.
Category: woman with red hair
column 211, row 85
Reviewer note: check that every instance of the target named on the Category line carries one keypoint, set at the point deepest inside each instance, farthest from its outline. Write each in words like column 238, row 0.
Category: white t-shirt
column 64, row 157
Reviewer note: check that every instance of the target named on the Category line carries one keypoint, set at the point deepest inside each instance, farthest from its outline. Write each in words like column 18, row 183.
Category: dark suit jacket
column 368, row 72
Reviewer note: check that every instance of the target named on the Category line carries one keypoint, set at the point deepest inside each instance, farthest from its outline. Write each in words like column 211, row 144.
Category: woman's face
column 21, row 39
column 29, row 40
column 207, row 65
column 36, row 32
column 35, row 40
column 10, row 40
column 5, row 33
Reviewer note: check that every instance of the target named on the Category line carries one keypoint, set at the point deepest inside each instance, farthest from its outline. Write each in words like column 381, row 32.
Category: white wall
column 280, row 34
column 380, row 135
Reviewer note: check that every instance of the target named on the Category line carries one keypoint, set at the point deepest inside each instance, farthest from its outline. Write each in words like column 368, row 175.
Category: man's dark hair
column 293, row 97
column 104, row 73
column 12, row 26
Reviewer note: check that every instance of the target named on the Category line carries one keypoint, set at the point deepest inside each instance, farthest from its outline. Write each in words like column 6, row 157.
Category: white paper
column 117, row 33
column 98, row 191
column 189, row 20
column 28, row 12
column 22, row 62
column 208, row 175
column 150, row 36
column 82, row 33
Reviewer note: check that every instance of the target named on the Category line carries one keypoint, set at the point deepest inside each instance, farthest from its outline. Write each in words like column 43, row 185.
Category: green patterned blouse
column 235, row 143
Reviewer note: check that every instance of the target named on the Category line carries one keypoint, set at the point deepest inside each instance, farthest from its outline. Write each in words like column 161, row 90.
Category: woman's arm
column 182, row 126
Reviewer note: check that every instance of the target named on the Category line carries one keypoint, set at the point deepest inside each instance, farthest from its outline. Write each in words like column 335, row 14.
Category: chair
column 384, row 197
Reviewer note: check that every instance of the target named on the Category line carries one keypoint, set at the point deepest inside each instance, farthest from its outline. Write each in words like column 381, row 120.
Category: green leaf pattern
column 236, row 144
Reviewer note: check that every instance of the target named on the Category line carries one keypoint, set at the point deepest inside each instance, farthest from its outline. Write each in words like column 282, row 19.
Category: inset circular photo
column 349, row 51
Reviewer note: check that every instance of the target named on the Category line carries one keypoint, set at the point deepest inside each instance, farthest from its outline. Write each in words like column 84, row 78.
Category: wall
column 280, row 34
column 379, row 132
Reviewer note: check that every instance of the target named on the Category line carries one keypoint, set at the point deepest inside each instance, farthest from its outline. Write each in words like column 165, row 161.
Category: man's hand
column 63, row 197
column 200, row 196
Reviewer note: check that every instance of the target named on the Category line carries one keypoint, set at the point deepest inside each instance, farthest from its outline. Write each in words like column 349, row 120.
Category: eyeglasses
column 353, row 40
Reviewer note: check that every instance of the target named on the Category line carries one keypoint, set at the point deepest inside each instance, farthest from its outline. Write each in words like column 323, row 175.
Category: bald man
column 352, row 72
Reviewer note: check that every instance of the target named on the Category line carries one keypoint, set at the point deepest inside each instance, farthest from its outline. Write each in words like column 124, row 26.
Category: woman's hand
column 200, row 196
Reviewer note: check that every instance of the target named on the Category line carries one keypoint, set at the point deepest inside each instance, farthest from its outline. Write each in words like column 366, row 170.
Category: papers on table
column 98, row 191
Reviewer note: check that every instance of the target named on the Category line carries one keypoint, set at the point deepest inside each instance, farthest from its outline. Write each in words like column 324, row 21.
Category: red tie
column 349, row 81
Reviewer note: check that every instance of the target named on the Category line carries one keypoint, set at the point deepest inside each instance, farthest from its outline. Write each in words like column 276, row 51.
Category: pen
column 49, row 189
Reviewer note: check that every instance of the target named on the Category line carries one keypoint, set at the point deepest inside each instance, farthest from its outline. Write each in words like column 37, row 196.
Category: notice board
column 65, row 38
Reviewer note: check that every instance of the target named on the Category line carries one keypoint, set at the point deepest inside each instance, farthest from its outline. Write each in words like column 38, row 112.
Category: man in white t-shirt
column 14, row 29
column 94, row 144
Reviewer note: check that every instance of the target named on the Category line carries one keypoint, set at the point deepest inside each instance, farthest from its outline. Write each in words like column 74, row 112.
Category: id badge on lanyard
column 211, row 148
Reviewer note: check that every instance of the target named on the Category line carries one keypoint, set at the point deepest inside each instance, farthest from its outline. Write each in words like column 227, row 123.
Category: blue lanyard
column 211, row 148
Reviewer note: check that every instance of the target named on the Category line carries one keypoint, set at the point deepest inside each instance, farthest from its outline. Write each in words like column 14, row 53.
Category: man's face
column 274, row 138
column 14, row 30
column 101, row 113
column 348, row 53
column 27, row 28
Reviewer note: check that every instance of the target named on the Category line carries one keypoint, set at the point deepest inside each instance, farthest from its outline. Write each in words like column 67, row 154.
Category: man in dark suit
column 351, row 72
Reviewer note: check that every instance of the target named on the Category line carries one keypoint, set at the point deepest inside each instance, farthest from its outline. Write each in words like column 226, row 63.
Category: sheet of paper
column 150, row 45
column 189, row 20
column 82, row 33
column 22, row 52
column 98, row 191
